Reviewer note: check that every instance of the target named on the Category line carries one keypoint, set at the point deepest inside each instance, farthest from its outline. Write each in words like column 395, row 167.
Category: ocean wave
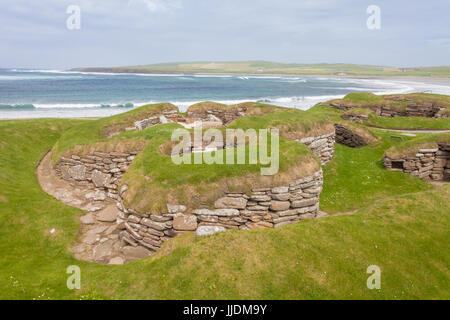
column 17, row 107
column 125, row 105
column 65, row 106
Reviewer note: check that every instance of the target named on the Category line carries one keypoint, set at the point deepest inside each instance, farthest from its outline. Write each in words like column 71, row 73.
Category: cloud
column 124, row 32
column 159, row 5
column 440, row 42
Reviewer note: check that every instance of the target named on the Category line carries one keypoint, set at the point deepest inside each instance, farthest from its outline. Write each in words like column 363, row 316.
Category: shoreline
column 380, row 77
column 436, row 85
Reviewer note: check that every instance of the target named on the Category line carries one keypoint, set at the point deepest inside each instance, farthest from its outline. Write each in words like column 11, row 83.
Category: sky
column 34, row 34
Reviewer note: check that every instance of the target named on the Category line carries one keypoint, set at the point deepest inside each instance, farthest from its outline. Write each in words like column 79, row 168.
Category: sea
column 27, row 93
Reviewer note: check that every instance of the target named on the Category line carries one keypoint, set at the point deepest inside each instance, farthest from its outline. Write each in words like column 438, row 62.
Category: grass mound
column 409, row 148
column 154, row 179
column 97, row 133
column 397, row 102
column 359, row 112
column 292, row 123
column 363, row 103
column 253, row 108
column 409, row 123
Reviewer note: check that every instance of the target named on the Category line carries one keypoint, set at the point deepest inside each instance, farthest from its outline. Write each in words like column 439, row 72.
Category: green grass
column 409, row 123
column 356, row 177
column 363, row 101
column 266, row 67
column 405, row 231
column 99, row 130
column 410, row 147
column 397, row 102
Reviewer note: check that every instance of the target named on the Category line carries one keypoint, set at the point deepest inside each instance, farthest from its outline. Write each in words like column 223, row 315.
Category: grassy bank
column 404, row 230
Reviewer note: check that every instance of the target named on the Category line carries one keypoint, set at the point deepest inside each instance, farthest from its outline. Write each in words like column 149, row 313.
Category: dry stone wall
column 413, row 109
column 263, row 208
column 164, row 117
column 426, row 109
column 347, row 137
column 224, row 115
column 100, row 171
column 428, row 164
column 322, row 146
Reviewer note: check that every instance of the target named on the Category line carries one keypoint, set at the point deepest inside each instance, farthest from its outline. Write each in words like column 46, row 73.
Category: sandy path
column 98, row 240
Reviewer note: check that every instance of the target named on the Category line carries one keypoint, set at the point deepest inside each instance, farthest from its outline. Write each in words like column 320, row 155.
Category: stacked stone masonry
column 347, row 137
column 428, row 164
column 413, row 109
column 224, row 115
column 100, row 171
column 263, row 208
column 322, row 146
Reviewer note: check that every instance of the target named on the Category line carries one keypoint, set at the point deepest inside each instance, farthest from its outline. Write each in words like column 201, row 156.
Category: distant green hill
column 265, row 67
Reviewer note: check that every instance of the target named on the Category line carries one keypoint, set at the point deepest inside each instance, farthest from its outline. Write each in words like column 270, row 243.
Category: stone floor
column 98, row 240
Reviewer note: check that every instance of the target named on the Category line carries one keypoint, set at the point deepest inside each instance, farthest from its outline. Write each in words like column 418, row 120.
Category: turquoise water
column 52, row 93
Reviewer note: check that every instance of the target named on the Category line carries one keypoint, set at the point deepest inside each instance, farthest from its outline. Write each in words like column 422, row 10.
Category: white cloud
column 159, row 5
column 441, row 42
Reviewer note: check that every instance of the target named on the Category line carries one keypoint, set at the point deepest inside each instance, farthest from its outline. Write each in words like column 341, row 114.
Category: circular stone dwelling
column 120, row 170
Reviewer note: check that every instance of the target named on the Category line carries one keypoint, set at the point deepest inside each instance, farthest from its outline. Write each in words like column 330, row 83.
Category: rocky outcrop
column 428, row 164
column 322, row 146
column 347, row 137
column 263, row 208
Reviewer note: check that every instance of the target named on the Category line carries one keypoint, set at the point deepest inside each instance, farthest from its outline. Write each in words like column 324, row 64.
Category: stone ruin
column 427, row 164
column 263, row 208
column 102, row 171
column 141, row 234
column 413, row 109
column 349, row 138
column 322, row 146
